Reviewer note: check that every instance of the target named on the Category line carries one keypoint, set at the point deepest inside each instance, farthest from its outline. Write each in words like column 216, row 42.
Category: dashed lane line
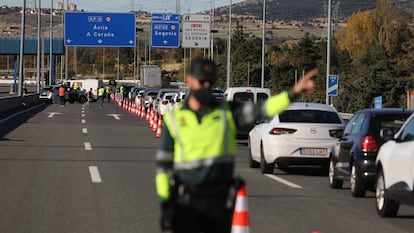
column 88, row 146
column 94, row 173
column 85, row 130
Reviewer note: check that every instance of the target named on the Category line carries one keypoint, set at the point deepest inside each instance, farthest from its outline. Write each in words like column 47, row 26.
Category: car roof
column 385, row 110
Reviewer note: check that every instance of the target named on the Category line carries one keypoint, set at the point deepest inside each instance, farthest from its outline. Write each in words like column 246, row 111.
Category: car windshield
column 243, row 97
column 310, row 116
column 380, row 123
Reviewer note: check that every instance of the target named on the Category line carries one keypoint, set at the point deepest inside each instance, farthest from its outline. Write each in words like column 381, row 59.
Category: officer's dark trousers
column 203, row 215
column 188, row 220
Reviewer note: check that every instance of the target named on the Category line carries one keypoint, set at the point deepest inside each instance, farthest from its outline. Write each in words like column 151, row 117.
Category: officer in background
column 62, row 95
column 195, row 161
column 101, row 96
column 108, row 93
column 122, row 91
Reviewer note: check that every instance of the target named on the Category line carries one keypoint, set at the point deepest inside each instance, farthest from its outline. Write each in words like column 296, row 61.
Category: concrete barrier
column 10, row 103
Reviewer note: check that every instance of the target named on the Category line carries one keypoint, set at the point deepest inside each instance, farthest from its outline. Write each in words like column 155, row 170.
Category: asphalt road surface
column 91, row 170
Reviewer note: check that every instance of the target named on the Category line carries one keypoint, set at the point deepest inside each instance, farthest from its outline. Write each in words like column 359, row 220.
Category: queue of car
column 373, row 151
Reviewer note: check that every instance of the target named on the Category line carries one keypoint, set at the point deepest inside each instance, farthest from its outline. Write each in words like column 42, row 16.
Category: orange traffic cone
column 148, row 115
column 155, row 122
column 151, row 120
column 241, row 220
column 143, row 112
column 159, row 128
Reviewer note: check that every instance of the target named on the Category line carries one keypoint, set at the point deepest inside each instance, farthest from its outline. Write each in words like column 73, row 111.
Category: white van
column 247, row 94
column 86, row 85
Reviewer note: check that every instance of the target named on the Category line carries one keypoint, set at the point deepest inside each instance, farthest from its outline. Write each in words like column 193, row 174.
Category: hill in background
column 304, row 10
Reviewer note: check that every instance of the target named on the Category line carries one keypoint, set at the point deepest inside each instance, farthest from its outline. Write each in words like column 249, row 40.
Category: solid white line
column 283, row 181
column 83, row 121
column 88, row 146
column 84, row 130
column 94, row 172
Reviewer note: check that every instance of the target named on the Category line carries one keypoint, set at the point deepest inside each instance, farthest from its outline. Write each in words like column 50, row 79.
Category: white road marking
column 116, row 116
column 88, row 146
column 83, row 121
column 94, row 172
column 52, row 114
column 82, row 115
column 283, row 181
column 84, row 130
column 83, row 111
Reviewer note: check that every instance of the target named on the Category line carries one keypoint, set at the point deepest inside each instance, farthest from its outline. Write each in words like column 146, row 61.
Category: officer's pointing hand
column 306, row 84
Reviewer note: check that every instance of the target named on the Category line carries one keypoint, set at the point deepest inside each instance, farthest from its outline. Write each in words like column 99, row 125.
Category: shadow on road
column 12, row 119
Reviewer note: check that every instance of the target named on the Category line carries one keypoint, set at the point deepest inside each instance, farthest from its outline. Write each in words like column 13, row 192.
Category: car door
column 348, row 142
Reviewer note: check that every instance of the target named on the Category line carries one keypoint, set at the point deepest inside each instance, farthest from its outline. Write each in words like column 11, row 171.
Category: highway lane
column 80, row 169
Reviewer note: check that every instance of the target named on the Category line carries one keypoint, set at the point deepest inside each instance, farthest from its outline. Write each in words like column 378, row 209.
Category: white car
column 166, row 103
column 395, row 171
column 302, row 135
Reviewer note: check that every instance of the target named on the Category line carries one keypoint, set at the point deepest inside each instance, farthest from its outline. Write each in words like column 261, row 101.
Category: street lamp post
column 229, row 49
column 328, row 51
column 21, row 59
column 39, row 31
column 51, row 43
column 263, row 43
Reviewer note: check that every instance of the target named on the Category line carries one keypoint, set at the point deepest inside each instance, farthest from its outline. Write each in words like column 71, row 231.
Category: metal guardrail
column 345, row 116
column 6, row 71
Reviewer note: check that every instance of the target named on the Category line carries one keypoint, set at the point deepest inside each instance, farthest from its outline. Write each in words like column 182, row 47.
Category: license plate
column 313, row 151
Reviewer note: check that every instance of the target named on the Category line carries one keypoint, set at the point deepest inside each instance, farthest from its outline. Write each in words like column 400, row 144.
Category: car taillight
column 368, row 144
column 281, row 131
column 164, row 102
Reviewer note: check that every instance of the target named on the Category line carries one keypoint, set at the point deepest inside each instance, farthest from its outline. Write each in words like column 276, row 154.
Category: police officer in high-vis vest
column 195, row 161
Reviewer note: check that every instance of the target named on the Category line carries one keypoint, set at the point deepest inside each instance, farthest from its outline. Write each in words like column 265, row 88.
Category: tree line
column 373, row 56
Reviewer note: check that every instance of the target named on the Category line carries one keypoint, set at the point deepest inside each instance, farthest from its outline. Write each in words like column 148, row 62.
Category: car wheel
column 385, row 206
column 357, row 184
column 334, row 182
column 252, row 163
column 265, row 168
column 82, row 99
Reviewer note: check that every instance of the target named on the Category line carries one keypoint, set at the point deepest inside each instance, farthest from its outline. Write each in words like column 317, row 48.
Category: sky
column 152, row 6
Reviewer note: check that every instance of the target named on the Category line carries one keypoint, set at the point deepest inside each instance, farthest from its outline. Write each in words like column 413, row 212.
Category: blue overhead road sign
column 165, row 30
column 99, row 29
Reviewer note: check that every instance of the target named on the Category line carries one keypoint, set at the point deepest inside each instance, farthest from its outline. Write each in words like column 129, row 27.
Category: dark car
column 217, row 93
column 353, row 156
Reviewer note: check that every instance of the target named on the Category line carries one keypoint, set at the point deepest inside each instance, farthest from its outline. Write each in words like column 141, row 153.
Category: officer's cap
column 204, row 70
